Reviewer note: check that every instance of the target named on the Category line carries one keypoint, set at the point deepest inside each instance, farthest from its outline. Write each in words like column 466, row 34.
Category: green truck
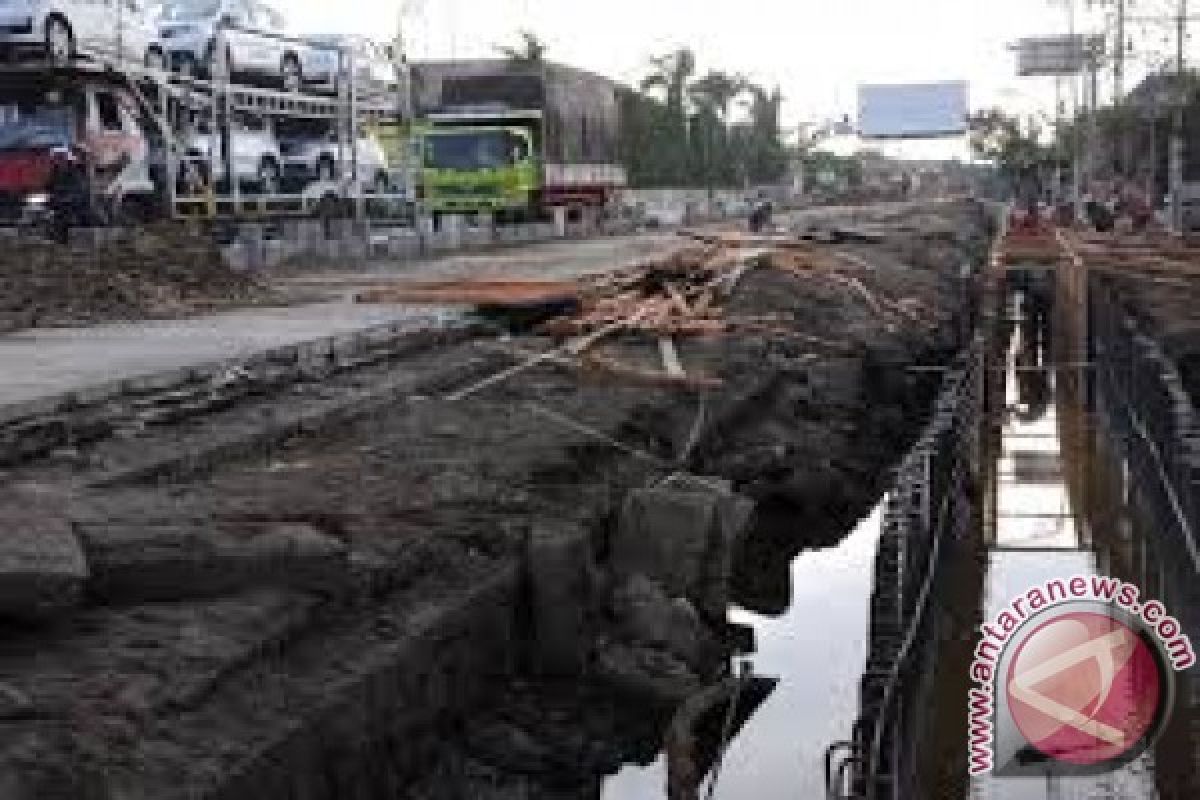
column 516, row 140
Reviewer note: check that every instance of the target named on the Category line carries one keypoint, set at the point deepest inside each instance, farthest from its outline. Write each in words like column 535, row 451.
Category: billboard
column 1047, row 56
column 913, row 110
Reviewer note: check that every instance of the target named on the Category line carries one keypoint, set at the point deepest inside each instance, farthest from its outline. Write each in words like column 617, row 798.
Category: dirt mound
column 163, row 271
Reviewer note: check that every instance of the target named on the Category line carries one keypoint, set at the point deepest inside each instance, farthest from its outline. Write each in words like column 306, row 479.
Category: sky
column 817, row 51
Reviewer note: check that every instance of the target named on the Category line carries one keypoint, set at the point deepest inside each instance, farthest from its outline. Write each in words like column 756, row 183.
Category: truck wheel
column 155, row 60
column 326, row 170
column 60, row 42
column 268, row 177
column 188, row 67
column 290, row 75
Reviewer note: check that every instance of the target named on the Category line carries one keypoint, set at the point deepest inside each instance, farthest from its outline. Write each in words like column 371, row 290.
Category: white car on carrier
column 315, row 158
column 254, row 150
column 120, row 31
column 241, row 38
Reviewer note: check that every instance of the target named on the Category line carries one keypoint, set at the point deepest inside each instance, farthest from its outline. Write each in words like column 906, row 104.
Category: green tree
column 763, row 156
column 712, row 96
column 670, row 74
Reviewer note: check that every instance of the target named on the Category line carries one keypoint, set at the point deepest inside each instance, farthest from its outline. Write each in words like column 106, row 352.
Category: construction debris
column 682, row 297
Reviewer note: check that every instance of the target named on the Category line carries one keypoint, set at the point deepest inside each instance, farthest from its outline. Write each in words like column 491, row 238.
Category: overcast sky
column 817, row 51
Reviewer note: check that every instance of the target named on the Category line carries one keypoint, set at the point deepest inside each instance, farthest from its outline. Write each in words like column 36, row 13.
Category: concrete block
column 43, row 569
column 272, row 253
column 560, row 592
column 139, row 563
column 684, row 539
column 236, row 257
column 404, row 247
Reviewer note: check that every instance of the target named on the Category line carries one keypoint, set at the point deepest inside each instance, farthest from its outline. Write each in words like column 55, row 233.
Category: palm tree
column 671, row 74
column 532, row 50
column 712, row 96
column 716, row 91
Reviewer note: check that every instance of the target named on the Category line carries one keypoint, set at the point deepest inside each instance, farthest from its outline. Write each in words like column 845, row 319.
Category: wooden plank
column 575, row 347
column 670, row 357
column 678, row 300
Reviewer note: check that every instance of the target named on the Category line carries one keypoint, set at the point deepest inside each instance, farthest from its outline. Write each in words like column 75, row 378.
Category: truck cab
column 87, row 141
column 490, row 168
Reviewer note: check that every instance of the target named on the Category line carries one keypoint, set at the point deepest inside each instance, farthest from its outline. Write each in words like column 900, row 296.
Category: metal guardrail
column 928, row 503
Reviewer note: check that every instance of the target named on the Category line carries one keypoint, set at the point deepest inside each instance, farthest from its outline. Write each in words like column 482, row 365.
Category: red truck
column 79, row 151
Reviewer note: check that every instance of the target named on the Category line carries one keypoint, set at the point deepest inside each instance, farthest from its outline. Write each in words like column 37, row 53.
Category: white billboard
column 1046, row 56
column 913, row 110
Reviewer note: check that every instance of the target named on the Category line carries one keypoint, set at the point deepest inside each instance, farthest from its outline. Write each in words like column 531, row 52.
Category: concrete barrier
column 346, row 242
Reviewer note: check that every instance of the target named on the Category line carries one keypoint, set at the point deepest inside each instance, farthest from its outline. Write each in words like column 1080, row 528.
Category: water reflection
column 818, row 648
column 816, row 644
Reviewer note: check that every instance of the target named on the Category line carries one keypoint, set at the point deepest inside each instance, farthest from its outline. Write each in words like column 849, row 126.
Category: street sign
column 1048, row 56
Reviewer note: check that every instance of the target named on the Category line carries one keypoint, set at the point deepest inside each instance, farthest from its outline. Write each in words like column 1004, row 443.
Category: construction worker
column 70, row 201
column 760, row 217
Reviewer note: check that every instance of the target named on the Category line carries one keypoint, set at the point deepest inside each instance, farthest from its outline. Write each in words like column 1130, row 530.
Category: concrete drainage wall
column 1153, row 423
column 1146, row 399
column 930, row 506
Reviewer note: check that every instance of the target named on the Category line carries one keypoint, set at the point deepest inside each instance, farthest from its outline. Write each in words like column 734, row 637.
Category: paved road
column 48, row 362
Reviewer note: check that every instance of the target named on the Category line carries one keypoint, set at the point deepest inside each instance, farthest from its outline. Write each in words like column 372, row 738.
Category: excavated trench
column 518, row 594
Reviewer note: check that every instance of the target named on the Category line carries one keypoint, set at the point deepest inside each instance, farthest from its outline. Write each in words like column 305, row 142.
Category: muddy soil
column 159, row 272
column 401, row 515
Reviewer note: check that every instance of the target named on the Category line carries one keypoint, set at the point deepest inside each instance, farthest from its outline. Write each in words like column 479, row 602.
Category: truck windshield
column 480, row 150
column 40, row 127
column 191, row 9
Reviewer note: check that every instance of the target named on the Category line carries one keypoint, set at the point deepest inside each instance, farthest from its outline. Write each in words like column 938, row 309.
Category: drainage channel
column 1048, row 477
column 1061, row 497
column 1059, row 487
column 1057, row 492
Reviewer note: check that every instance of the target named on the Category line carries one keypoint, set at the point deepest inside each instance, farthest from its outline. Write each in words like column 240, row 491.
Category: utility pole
column 1175, row 166
column 1121, row 163
column 1119, row 57
column 1076, row 166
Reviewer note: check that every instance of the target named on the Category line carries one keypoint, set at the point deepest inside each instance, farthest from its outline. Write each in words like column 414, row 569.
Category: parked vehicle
column 83, row 148
column 117, row 30
column 252, row 35
column 307, row 159
column 519, row 140
column 377, row 71
column 254, row 152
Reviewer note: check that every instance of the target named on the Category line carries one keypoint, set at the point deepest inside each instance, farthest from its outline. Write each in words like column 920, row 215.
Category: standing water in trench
column 816, row 647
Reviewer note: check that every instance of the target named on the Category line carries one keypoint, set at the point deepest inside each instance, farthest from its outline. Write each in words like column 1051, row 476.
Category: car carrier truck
column 97, row 142
column 516, row 139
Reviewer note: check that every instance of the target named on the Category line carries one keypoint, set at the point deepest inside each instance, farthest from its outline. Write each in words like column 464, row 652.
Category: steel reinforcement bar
column 929, row 502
